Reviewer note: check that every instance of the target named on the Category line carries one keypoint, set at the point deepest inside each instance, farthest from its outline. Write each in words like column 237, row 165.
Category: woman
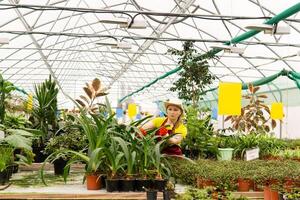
column 170, row 125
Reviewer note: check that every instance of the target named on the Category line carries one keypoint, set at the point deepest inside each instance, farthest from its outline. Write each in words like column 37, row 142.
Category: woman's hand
column 176, row 139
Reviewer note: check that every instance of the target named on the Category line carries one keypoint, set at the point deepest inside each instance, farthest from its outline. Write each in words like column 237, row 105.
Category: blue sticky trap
column 214, row 113
column 119, row 112
column 138, row 116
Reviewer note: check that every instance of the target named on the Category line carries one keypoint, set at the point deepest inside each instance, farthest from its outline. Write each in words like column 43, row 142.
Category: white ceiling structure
column 59, row 37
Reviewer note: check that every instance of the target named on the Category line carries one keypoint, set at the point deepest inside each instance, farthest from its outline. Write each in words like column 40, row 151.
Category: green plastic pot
column 225, row 153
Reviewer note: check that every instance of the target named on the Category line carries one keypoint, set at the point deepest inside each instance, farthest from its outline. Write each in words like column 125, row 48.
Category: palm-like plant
column 253, row 116
column 46, row 108
column 92, row 90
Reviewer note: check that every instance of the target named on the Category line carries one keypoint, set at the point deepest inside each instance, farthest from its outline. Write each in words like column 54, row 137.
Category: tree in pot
column 195, row 75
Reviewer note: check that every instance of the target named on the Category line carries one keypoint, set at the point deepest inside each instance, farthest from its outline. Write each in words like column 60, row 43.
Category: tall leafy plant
column 195, row 75
column 255, row 116
column 46, row 108
column 199, row 142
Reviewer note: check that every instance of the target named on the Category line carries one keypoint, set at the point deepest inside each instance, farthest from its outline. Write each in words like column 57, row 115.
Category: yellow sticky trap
column 277, row 110
column 132, row 110
column 29, row 102
column 230, row 98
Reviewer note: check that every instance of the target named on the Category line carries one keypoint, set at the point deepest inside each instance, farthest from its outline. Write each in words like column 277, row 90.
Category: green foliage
column 225, row 173
column 255, row 116
column 6, row 157
column 205, row 194
column 195, row 74
column 46, row 108
column 17, row 121
column 73, row 140
column 199, row 141
column 17, row 138
column 5, row 89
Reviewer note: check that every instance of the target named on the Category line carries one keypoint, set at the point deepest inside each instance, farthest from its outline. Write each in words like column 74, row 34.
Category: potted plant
column 44, row 116
column 72, row 139
column 199, row 142
column 97, row 128
column 226, row 146
column 127, row 184
column 6, row 160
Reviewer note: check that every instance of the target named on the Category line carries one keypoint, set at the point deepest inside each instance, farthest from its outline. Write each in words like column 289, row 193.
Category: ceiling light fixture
column 229, row 49
column 126, row 22
column 116, row 45
column 270, row 29
column 4, row 41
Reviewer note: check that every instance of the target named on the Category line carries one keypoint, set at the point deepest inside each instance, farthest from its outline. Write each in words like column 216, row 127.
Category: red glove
column 163, row 131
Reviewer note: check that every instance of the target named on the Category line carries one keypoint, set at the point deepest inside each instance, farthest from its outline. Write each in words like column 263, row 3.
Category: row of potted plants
column 127, row 158
column 224, row 174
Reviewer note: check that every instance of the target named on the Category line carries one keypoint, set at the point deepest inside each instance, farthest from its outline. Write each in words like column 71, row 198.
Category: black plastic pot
column 39, row 156
column 127, row 185
column 142, row 185
column 103, row 178
column 166, row 195
column 151, row 195
column 15, row 168
column 4, row 176
column 160, row 185
column 112, row 185
column 59, row 165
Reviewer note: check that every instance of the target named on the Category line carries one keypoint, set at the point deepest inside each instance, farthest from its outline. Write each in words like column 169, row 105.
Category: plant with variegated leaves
column 255, row 116
column 92, row 90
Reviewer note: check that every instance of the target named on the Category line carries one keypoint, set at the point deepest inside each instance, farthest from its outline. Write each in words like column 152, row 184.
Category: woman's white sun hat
column 174, row 102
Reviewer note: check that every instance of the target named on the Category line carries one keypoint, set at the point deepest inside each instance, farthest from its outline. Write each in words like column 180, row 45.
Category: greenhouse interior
column 160, row 99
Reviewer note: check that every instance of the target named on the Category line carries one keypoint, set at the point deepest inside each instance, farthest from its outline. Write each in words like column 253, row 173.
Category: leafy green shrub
column 199, row 142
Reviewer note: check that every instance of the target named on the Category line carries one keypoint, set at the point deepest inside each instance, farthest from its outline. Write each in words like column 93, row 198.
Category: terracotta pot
column 274, row 195
column 267, row 193
column 93, row 182
column 243, row 185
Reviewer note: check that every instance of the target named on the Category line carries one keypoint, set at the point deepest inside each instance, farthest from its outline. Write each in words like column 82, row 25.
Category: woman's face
column 173, row 112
